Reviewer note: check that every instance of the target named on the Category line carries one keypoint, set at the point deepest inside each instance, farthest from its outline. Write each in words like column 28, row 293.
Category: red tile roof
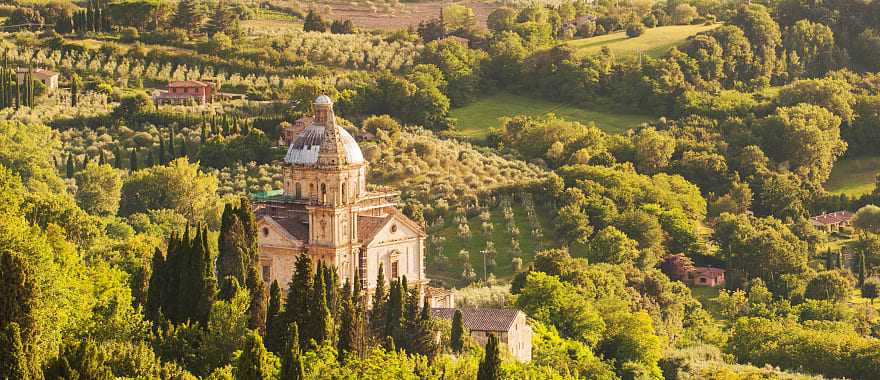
column 369, row 226
column 482, row 319
column 189, row 83
column 708, row 272
column 39, row 73
column 832, row 218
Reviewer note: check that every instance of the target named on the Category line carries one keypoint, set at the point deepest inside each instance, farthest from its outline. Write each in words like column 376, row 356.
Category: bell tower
column 339, row 171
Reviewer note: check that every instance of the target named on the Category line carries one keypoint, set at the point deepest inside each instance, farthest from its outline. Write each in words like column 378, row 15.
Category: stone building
column 326, row 211
column 509, row 325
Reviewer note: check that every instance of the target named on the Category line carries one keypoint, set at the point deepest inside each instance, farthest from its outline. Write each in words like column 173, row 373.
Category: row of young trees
column 17, row 89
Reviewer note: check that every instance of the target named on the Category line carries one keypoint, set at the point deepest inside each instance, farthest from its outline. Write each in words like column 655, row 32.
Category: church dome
column 306, row 147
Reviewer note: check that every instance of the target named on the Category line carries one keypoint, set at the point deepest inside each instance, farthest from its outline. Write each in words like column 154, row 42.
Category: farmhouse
column 832, row 221
column 509, row 325
column 47, row 77
column 326, row 212
column 179, row 92
column 706, row 276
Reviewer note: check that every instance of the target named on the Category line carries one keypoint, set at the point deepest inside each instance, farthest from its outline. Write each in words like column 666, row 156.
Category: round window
column 265, row 231
column 393, row 228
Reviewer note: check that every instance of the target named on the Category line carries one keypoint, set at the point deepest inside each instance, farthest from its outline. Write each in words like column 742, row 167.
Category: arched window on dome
column 323, row 193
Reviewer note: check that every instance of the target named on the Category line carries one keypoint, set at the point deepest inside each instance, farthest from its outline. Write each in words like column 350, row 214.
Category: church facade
column 326, row 212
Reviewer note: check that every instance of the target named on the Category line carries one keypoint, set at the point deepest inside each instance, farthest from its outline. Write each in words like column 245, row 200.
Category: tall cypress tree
column 394, row 313
column 133, row 160
column 321, row 322
column 300, row 289
column 863, row 269
column 183, row 287
column 275, row 325
column 14, row 364
column 291, row 357
column 457, row 334
column 172, row 152
column 74, row 90
column 377, row 316
column 79, row 361
column 347, row 332
column 490, row 366
column 239, row 258
column 18, row 294
column 71, row 168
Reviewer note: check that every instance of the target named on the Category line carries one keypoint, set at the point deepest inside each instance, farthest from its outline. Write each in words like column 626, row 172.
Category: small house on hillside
column 832, row 221
column 509, row 325
column 706, row 276
column 47, row 77
column 180, row 92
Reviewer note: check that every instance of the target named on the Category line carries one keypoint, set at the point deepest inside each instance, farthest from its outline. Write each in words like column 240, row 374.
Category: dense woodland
column 128, row 245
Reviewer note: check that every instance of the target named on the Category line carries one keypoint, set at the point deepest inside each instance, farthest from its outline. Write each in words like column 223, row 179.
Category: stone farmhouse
column 832, row 221
column 181, row 92
column 47, row 77
column 509, row 325
column 326, row 212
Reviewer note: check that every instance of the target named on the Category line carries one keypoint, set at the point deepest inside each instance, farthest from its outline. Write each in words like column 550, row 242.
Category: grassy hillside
column 475, row 119
column 655, row 42
column 854, row 176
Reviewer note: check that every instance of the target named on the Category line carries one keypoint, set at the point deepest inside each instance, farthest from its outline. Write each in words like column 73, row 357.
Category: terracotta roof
column 832, row 218
column 369, row 226
column 482, row 319
column 294, row 227
column 40, row 73
column 189, row 83
column 708, row 272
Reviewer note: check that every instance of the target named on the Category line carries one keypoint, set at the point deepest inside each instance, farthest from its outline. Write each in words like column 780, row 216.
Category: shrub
column 635, row 30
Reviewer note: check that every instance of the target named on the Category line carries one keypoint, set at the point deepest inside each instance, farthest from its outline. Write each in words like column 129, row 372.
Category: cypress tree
column 74, row 90
column 117, row 157
column 18, row 294
column 291, row 357
column 394, row 313
column 300, row 288
column 71, row 168
column 133, row 160
column 862, row 269
column 254, row 362
column 239, row 258
column 345, row 344
column 162, row 159
column 457, row 334
column 203, row 135
column 490, row 366
column 321, row 322
column 171, row 148
column 183, row 287
column 14, row 364
column 377, row 317
column 275, row 325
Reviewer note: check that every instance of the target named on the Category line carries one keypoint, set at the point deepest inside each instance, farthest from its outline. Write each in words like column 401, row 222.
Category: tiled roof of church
column 369, row 226
column 294, row 227
column 481, row 319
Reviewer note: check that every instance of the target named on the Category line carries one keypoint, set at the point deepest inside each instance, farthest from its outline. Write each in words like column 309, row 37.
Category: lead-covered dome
column 323, row 143
column 306, row 147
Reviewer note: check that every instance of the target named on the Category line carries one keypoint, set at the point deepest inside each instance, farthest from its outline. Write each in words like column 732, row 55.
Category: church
column 326, row 212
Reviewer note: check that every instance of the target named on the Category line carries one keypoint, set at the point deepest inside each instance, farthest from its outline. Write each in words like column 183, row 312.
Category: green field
column 655, row 42
column 854, row 176
column 475, row 119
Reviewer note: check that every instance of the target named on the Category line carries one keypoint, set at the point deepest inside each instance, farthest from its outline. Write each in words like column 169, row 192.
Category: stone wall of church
column 404, row 257
column 279, row 263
